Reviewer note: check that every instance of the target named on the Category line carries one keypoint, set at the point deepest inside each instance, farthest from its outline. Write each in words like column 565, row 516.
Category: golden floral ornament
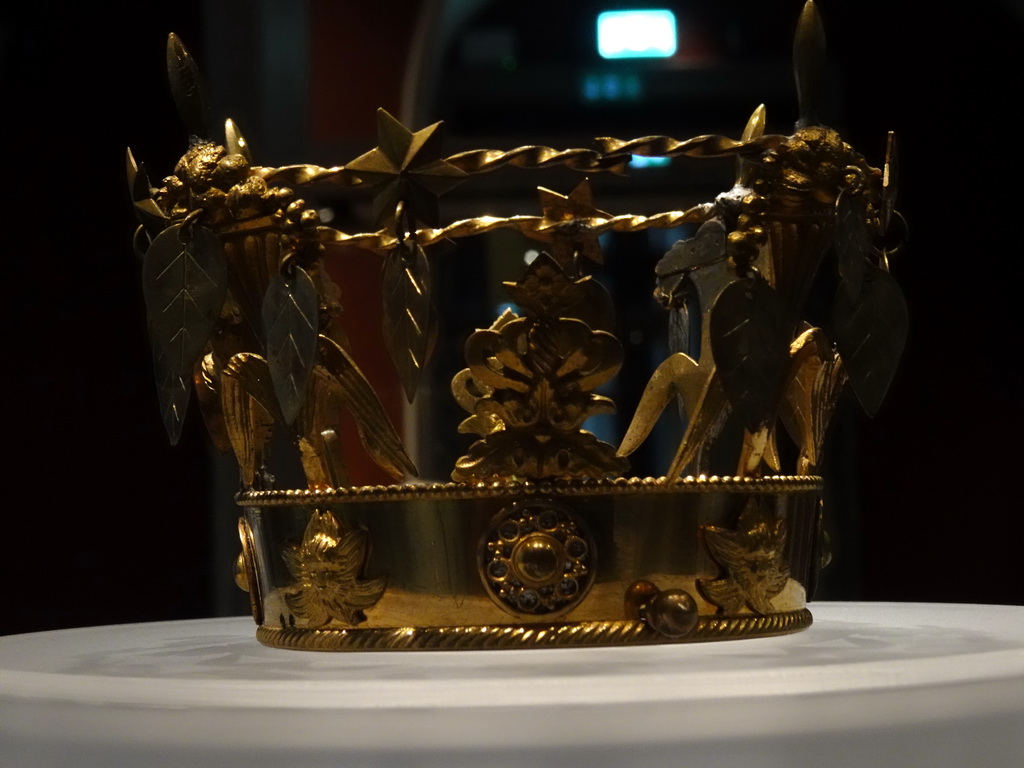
column 327, row 567
column 530, row 382
column 546, row 289
column 753, row 558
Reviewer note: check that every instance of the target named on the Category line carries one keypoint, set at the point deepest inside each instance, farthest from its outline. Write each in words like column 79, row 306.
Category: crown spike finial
column 187, row 88
column 235, row 141
column 754, row 129
column 809, row 64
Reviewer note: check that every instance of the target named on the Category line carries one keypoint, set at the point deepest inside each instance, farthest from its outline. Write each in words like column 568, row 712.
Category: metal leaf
column 870, row 335
column 291, row 319
column 707, row 246
column 682, row 329
column 758, row 447
column 253, row 373
column 853, row 241
column 706, row 419
column 815, row 383
column 150, row 216
column 139, row 181
column 173, row 392
column 146, row 209
column 334, row 460
column 187, row 88
column 322, row 459
column 184, row 284
column 679, row 375
column 355, row 393
column 207, row 381
column 750, row 334
column 245, row 396
column 407, row 312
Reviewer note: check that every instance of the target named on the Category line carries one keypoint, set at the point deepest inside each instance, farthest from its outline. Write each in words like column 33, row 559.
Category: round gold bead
column 672, row 613
column 537, row 559
column 638, row 594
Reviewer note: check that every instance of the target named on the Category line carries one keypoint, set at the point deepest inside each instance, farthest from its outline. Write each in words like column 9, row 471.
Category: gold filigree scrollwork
column 530, row 384
column 328, row 571
column 753, row 559
column 537, row 559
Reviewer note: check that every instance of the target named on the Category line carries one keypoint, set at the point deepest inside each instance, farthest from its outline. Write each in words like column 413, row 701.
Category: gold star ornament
column 568, row 241
column 409, row 168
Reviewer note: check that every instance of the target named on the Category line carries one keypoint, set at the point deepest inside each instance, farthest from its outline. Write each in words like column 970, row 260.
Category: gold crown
column 540, row 539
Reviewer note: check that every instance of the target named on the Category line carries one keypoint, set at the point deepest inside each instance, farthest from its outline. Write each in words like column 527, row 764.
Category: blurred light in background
column 611, row 86
column 642, row 161
column 636, row 34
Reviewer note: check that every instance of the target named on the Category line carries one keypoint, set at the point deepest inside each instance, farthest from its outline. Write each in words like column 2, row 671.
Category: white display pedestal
column 869, row 685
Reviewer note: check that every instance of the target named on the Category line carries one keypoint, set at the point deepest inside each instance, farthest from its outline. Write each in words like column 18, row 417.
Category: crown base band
column 573, row 634
column 567, row 564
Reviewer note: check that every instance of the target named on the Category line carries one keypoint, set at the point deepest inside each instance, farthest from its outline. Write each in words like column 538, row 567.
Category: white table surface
column 868, row 685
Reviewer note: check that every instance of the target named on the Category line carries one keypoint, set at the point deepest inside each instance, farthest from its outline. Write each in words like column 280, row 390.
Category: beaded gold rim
column 555, row 635
column 621, row 485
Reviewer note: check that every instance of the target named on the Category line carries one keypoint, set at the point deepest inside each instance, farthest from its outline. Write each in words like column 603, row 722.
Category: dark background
column 103, row 522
